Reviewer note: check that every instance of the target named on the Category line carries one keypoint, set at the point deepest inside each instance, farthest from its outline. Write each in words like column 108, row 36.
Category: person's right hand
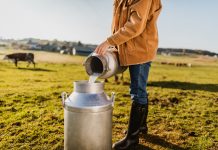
column 102, row 48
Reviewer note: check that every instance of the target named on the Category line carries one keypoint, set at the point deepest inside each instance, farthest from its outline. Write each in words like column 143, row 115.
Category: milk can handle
column 64, row 96
column 113, row 98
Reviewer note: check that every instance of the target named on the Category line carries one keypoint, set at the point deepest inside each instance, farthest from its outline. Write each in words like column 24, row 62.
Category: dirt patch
column 174, row 100
column 164, row 102
column 41, row 98
column 16, row 124
column 2, row 125
column 2, row 103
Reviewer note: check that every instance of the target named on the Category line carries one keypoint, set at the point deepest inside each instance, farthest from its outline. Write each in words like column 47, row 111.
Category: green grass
column 183, row 108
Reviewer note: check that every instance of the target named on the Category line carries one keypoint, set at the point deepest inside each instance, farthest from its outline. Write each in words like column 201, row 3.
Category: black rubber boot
column 143, row 128
column 136, row 117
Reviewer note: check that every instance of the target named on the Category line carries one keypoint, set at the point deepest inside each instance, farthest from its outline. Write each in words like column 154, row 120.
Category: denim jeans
column 139, row 77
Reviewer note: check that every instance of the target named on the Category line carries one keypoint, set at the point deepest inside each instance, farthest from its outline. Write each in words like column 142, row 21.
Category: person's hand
column 102, row 48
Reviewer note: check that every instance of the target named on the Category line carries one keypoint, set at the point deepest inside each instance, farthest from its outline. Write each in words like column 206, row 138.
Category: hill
column 82, row 48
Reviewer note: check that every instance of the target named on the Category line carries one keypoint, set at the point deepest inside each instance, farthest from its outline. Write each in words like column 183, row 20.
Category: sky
column 182, row 23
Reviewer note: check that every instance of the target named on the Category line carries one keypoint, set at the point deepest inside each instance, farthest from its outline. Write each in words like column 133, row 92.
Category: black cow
column 15, row 57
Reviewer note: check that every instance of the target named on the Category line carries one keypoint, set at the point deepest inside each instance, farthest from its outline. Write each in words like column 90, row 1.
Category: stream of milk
column 93, row 77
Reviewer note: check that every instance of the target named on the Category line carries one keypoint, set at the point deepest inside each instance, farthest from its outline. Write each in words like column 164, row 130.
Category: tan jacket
column 134, row 30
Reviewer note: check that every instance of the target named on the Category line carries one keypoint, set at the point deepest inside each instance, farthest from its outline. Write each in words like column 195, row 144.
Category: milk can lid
column 88, row 97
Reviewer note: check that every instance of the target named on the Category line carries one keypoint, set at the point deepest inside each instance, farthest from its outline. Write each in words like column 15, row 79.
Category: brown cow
column 116, row 78
column 15, row 57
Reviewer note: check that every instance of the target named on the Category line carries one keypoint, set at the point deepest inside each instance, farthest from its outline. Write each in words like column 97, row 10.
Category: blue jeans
column 139, row 77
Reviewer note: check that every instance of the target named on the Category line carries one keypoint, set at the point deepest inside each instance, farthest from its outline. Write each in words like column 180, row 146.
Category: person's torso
column 143, row 47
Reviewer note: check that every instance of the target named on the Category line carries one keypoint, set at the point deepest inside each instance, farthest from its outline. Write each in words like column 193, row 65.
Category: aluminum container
column 105, row 65
column 88, row 117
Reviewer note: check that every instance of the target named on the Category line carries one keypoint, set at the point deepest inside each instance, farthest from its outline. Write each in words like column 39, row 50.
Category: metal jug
column 105, row 65
column 88, row 117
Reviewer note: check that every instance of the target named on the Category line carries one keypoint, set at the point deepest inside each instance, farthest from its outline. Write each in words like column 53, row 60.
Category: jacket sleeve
column 135, row 25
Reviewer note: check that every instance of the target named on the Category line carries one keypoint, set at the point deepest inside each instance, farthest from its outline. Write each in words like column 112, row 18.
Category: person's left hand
column 102, row 48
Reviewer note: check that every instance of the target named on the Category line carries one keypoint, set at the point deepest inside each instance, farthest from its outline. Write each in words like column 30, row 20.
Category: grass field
column 183, row 102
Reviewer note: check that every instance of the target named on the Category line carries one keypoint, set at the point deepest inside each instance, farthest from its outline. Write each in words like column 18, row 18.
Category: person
column 135, row 35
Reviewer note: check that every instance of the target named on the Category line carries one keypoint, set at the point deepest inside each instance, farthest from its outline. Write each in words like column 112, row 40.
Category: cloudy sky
column 182, row 23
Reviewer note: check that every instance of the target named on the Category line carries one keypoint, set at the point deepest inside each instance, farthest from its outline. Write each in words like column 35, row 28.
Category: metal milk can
column 105, row 65
column 88, row 117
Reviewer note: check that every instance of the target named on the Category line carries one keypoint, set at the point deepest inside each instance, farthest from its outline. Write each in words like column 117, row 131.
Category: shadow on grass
column 185, row 85
column 160, row 141
column 37, row 69
column 142, row 147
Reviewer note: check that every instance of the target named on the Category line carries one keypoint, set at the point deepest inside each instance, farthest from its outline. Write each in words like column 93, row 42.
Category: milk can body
column 88, row 118
column 105, row 65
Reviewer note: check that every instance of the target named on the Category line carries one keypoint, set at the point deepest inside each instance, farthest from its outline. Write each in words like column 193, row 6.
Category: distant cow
column 178, row 64
column 116, row 78
column 15, row 57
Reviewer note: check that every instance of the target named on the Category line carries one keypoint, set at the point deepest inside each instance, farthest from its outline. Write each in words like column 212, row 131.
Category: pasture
column 183, row 108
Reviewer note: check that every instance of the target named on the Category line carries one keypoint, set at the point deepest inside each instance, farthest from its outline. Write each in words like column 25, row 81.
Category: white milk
column 93, row 77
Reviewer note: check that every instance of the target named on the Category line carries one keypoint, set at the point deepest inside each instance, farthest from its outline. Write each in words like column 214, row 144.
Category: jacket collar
column 120, row 2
